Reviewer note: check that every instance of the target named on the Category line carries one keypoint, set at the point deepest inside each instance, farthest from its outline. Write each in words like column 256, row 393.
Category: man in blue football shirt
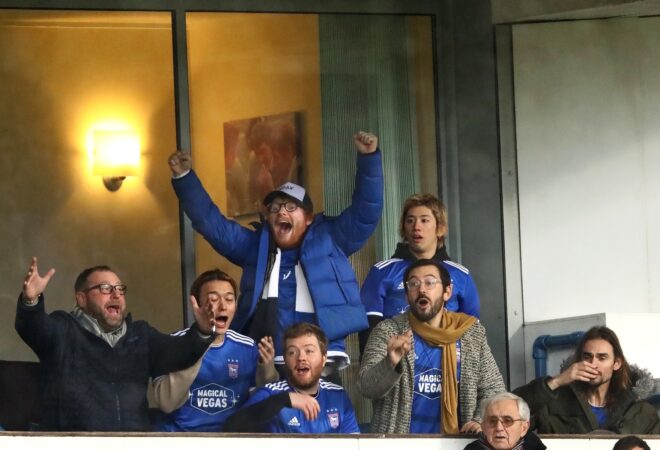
column 304, row 403
column 428, row 370
column 202, row 397
column 423, row 227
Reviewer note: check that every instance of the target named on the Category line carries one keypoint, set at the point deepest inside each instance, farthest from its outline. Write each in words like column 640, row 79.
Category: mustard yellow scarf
column 452, row 326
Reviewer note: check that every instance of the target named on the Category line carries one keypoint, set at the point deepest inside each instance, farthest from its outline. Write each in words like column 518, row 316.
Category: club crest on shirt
column 232, row 366
column 333, row 419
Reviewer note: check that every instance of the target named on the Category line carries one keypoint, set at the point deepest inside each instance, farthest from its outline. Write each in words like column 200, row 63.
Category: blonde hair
column 431, row 202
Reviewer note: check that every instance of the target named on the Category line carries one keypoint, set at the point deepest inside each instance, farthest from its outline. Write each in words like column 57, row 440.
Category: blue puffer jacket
column 323, row 254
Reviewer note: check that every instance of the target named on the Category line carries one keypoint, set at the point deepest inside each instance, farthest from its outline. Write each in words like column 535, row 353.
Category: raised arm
column 32, row 323
column 381, row 368
column 226, row 236
column 355, row 224
column 266, row 372
column 169, row 353
column 34, row 284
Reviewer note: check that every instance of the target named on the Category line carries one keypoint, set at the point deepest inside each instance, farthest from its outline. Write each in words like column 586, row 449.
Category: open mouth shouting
column 113, row 310
column 302, row 370
column 283, row 228
column 221, row 322
column 422, row 302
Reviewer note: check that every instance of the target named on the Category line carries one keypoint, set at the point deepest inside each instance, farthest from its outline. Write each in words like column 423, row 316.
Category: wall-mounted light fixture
column 116, row 156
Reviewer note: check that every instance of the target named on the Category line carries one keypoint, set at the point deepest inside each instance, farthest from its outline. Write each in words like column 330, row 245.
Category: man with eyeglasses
column 505, row 425
column 295, row 264
column 423, row 227
column 428, row 370
column 304, row 402
column 96, row 361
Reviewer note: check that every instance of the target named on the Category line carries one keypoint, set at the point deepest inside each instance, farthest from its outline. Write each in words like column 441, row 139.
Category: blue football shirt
column 427, row 389
column 336, row 415
column 222, row 385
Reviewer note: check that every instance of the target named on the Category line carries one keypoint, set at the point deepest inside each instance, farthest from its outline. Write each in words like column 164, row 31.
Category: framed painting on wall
column 261, row 153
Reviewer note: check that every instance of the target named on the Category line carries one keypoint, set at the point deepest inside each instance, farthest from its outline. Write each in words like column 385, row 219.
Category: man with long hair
column 594, row 393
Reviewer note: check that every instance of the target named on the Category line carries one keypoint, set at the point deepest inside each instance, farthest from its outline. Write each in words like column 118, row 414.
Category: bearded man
column 428, row 370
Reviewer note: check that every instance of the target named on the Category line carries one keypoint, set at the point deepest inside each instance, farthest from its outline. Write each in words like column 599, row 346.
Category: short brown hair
column 431, row 202
column 210, row 275
column 303, row 329
column 81, row 281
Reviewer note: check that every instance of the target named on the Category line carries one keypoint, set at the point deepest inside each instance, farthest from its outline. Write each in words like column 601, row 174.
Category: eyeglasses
column 274, row 207
column 507, row 421
column 428, row 282
column 105, row 288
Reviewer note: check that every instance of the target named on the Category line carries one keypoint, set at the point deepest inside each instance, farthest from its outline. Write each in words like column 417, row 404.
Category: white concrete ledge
column 176, row 441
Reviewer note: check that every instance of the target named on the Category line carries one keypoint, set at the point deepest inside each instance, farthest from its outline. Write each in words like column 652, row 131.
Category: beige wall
column 249, row 65
column 59, row 76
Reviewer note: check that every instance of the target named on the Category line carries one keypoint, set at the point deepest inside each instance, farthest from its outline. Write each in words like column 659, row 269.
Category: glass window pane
column 337, row 74
column 63, row 75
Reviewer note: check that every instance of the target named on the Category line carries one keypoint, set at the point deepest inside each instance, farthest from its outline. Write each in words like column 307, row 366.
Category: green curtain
column 365, row 85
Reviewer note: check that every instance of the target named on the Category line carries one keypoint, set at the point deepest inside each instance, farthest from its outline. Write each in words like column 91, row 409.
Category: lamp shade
column 116, row 153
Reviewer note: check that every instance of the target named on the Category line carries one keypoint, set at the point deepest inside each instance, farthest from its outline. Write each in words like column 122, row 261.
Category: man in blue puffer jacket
column 295, row 265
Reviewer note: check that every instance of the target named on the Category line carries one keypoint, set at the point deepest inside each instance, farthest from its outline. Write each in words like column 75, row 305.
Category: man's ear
column 441, row 231
column 525, row 428
column 617, row 363
column 81, row 300
column 447, row 294
column 309, row 217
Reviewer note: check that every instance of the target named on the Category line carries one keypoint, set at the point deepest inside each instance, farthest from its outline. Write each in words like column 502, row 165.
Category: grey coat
column 392, row 389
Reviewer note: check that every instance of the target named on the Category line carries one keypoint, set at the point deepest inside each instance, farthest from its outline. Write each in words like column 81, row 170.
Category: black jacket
column 530, row 442
column 88, row 385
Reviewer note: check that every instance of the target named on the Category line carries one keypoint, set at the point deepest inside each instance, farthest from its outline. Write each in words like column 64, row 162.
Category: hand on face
column 204, row 316
column 217, row 302
column 579, row 371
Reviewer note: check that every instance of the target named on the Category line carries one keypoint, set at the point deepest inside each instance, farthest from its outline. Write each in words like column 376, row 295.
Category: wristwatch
column 29, row 301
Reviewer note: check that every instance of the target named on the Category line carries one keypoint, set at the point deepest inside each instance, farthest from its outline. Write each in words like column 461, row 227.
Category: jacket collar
column 403, row 251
